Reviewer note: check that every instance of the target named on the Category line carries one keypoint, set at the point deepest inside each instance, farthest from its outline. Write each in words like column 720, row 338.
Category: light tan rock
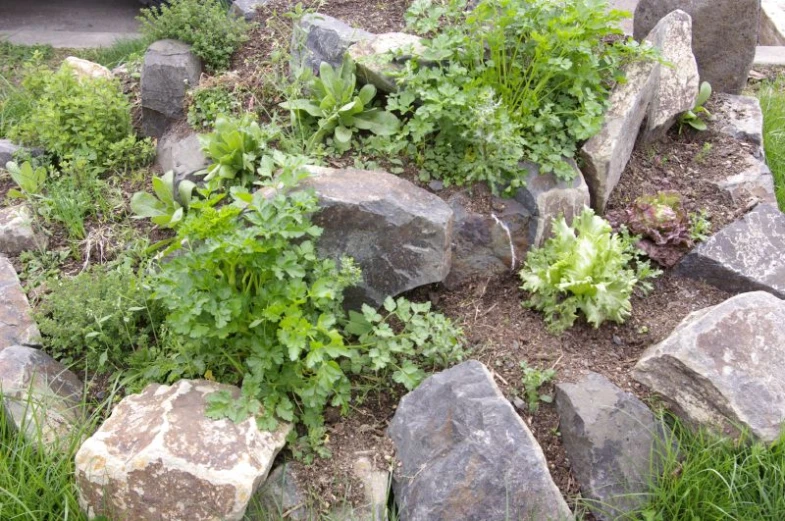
column 88, row 69
column 379, row 57
column 17, row 231
column 724, row 366
column 16, row 323
column 158, row 457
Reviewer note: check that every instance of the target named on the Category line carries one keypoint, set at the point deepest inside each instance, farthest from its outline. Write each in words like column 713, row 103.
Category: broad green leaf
column 379, row 122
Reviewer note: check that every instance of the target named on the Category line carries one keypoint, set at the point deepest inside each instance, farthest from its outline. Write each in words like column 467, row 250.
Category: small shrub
column 584, row 268
column 207, row 103
column 204, row 24
column 337, row 109
column 80, row 119
column 113, row 318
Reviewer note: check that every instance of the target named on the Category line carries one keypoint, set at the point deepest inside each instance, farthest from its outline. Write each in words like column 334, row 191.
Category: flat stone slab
column 613, row 441
column 724, row 366
column 739, row 117
column 158, row 456
column 465, row 454
column 17, row 326
column 746, row 255
column 41, row 397
column 769, row 56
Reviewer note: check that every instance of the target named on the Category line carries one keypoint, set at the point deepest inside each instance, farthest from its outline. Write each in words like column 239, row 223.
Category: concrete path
column 68, row 23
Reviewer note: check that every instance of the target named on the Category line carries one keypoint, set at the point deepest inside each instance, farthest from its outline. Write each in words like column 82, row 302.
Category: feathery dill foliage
column 507, row 80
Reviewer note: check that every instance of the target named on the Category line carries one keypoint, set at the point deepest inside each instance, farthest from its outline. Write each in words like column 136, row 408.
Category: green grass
column 712, row 479
column 772, row 100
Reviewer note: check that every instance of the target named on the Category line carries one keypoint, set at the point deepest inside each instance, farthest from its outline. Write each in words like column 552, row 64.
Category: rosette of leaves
column 338, row 109
column 585, row 268
column 167, row 204
column 664, row 226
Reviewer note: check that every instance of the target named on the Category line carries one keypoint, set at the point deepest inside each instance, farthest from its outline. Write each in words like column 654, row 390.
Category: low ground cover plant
column 506, row 80
column 204, row 24
column 585, row 268
column 206, row 103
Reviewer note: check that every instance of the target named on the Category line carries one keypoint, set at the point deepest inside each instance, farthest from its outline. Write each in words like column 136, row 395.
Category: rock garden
column 419, row 260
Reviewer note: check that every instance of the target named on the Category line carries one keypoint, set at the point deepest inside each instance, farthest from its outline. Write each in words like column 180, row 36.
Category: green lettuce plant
column 585, row 268
column 338, row 109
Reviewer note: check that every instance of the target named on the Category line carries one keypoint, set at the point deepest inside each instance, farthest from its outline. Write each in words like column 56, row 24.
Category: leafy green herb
column 29, row 180
column 166, row 208
column 694, row 117
column 533, row 379
column 207, row 103
column 584, row 268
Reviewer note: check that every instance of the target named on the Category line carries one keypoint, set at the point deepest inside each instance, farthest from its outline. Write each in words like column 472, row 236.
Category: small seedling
column 700, row 226
column 694, row 117
column 532, row 380
column 704, row 152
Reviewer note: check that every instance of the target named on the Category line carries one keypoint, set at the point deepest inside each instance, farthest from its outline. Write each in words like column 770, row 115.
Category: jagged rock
column 677, row 84
column 465, row 454
column 399, row 234
column 158, row 457
column 40, row 396
column 376, row 64
column 16, row 323
column 281, row 493
column 7, row 151
column 605, row 155
column 87, row 69
column 739, row 117
column 497, row 242
column 724, row 366
column 317, row 38
column 169, row 70
column 772, row 23
column 17, row 233
column 754, row 183
column 746, row 255
column 724, row 36
column 246, row 8
column 613, row 441
column 180, row 151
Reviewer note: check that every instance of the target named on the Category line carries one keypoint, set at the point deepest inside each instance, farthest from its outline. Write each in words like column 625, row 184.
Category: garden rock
column 169, row 70
column 87, row 69
column 610, row 437
column 7, row 151
column 754, row 183
column 724, row 366
column 40, row 396
column 375, row 487
column 159, row 457
column 379, row 57
column 724, row 36
column 16, row 323
column 772, row 23
column 677, row 85
column 465, row 454
column 399, row 234
column 739, row 117
column 497, row 242
column 17, row 233
column 180, row 151
column 281, row 493
column 747, row 255
column 606, row 154
column 246, row 8
column 319, row 38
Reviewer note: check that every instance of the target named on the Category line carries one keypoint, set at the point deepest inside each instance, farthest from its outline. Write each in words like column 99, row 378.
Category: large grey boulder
column 399, row 234
column 17, row 231
column 678, row 81
column 606, row 154
column 739, row 117
column 246, row 8
column 746, row 255
column 487, row 244
column 751, row 182
column 158, row 457
column 465, row 454
column 16, row 323
column 40, row 396
column 169, row 70
column 724, row 36
column 772, row 23
column 318, row 37
column 724, row 366
column 180, row 151
column 614, row 443
column 380, row 57
column 7, row 151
